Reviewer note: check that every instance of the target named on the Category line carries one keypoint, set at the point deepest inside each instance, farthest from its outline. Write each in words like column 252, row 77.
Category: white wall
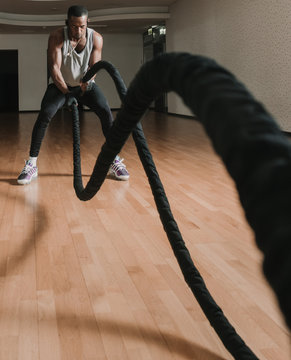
column 251, row 38
column 123, row 50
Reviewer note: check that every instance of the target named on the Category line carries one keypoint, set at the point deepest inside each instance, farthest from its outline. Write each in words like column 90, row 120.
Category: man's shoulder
column 94, row 32
column 97, row 38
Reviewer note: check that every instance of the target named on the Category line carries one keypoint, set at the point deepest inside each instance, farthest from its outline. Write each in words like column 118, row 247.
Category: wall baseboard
column 37, row 111
column 182, row 116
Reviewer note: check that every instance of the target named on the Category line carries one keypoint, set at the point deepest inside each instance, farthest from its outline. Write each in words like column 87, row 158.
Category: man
column 71, row 51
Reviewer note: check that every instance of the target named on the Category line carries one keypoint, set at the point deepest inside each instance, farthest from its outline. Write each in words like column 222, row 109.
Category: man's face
column 77, row 26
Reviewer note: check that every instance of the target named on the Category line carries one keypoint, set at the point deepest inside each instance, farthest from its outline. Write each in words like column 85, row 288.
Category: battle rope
column 101, row 169
column 255, row 152
column 225, row 331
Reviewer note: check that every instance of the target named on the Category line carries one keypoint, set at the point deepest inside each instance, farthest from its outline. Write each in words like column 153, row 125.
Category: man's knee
column 46, row 114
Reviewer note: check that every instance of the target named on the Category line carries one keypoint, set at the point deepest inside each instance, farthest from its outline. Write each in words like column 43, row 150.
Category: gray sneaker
column 118, row 169
column 28, row 173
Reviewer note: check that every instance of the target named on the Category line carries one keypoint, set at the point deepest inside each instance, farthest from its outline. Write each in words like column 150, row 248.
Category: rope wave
column 255, row 152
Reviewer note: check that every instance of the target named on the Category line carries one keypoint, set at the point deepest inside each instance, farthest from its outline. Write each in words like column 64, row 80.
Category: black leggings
column 54, row 99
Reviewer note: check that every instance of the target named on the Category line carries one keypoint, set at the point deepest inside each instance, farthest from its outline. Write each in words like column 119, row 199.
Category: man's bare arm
column 55, row 44
column 96, row 53
column 95, row 56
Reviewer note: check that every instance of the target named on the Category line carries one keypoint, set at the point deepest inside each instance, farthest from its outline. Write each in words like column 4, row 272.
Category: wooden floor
column 97, row 279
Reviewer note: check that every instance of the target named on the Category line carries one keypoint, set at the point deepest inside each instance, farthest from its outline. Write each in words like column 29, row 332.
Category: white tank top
column 74, row 65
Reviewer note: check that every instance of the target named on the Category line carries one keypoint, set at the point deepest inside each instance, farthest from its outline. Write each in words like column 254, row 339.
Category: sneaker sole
column 26, row 182
column 123, row 178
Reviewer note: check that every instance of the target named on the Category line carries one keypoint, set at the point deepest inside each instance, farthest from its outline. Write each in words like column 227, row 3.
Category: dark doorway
column 8, row 80
column 160, row 102
column 154, row 44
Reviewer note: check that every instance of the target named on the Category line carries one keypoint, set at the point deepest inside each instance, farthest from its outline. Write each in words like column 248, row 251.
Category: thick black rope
column 255, row 152
column 226, row 332
column 101, row 168
column 224, row 329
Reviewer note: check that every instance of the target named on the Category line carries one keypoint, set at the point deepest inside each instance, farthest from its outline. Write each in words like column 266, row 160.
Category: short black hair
column 77, row 11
